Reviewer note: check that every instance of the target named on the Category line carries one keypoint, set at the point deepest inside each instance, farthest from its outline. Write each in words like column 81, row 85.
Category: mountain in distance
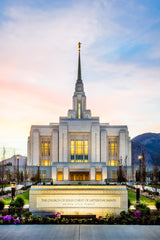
column 149, row 143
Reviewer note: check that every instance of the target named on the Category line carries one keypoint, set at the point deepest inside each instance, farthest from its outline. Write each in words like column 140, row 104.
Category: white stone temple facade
column 79, row 148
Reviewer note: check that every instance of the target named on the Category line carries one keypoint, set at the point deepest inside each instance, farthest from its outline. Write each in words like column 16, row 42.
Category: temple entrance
column 79, row 176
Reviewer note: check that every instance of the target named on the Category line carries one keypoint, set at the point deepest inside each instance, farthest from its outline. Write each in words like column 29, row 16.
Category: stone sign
column 72, row 200
column 78, row 202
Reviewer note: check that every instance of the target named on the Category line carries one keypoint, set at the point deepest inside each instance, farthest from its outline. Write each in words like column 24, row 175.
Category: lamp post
column 17, row 169
column 137, row 186
column 140, row 167
column 13, row 188
column 38, row 173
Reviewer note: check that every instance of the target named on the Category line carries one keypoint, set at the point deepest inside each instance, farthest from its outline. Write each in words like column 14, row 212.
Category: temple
column 79, row 147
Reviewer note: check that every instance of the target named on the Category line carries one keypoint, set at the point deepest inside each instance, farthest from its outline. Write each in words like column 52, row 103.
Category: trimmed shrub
column 19, row 202
column 15, row 207
column 1, row 205
column 143, row 208
column 26, row 214
column 157, row 204
column 156, row 193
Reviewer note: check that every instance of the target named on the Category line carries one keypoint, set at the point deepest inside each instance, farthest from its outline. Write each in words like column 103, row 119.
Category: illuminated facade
column 79, row 147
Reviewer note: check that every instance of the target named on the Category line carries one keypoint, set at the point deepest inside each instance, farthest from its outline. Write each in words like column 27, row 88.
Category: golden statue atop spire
column 79, row 46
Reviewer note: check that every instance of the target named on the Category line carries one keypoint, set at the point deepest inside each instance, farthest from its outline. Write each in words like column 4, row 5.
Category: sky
column 120, row 59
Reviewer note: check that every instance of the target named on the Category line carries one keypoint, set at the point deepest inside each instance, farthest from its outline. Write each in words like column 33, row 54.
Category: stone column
column 104, row 173
column 103, row 145
column 122, row 147
column 29, row 152
column 107, row 148
column 92, row 174
column 66, row 174
column 63, row 143
column 35, row 147
column 54, row 173
column 55, row 145
column 130, row 152
column 95, row 143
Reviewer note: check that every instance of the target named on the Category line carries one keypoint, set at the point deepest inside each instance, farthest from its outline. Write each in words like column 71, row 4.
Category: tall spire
column 79, row 62
column 79, row 83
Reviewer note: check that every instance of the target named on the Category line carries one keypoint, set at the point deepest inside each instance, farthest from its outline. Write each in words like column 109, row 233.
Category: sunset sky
column 120, row 56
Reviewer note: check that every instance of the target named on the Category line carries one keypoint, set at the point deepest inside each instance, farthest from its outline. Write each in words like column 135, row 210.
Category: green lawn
column 25, row 196
column 144, row 200
column 7, row 185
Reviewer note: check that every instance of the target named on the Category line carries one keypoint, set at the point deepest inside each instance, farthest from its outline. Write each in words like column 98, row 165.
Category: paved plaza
column 79, row 232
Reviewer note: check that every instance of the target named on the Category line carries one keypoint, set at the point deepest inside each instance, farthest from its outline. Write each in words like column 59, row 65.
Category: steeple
column 79, row 83
column 79, row 62
column 79, row 110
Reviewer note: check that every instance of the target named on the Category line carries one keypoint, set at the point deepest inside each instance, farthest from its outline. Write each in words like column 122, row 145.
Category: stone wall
column 78, row 200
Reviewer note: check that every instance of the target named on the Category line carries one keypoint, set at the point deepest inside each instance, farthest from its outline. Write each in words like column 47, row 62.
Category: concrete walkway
column 79, row 232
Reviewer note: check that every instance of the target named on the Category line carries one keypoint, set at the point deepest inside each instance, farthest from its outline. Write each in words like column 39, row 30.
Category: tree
column 133, row 169
column 143, row 171
column 155, row 174
column 25, row 173
column 8, row 175
column 2, row 174
column 121, row 172
column 125, row 168
column 21, row 176
column 138, row 175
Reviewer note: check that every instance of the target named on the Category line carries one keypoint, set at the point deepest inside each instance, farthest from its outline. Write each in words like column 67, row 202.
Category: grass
column 25, row 196
column 144, row 200
column 5, row 185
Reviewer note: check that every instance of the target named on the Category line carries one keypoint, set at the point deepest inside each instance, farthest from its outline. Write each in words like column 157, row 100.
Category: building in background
column 79, row 147
column 12, row 161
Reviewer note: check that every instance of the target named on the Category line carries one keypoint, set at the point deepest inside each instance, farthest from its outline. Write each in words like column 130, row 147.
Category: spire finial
column 79, row 46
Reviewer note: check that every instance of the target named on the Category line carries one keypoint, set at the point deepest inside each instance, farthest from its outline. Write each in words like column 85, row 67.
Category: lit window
column 42, row 163
column 49, row 149
column 116, row 148
column 45, row 162
column 79, row 151
column 86, row 150
column 42, row 148
column 60, row 176
column 44, row 176
column 98, row 176
column 72, row 151
column 114, row 176
column 79, row 110
column 45, row 148
column 112, row 163
column 113, row 149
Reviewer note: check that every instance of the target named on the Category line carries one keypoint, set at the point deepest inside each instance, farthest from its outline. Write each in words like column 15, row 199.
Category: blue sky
column 38, row 63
